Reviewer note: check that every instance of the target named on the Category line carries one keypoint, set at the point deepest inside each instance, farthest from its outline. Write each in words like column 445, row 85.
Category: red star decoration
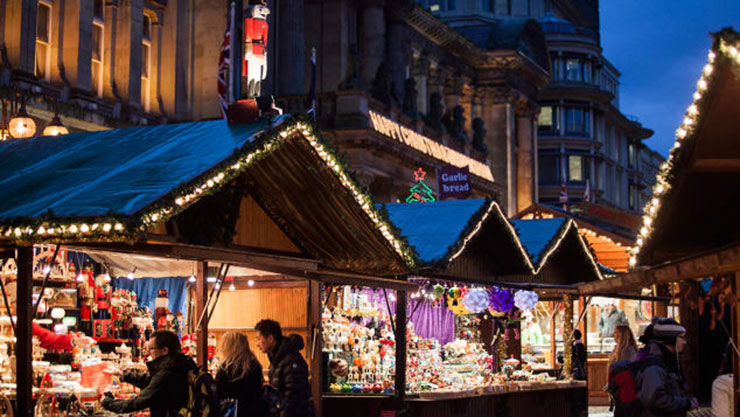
column 419, row 175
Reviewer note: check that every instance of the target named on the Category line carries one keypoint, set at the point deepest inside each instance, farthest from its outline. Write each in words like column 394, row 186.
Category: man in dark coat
column 288, row 372
column 164, row 389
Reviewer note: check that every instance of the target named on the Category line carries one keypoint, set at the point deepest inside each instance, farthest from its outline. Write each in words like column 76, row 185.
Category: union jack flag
column 224, row 63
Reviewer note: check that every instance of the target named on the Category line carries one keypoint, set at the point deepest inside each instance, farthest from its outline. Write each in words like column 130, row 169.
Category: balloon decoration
column 502, row 301
column 455, row 301
column 438, row 291
column 476, row 300
column 525, row 300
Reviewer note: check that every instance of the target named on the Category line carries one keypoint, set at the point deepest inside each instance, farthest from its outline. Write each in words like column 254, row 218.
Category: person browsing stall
column 164, row 389
column 288, row 372
column 239, row 375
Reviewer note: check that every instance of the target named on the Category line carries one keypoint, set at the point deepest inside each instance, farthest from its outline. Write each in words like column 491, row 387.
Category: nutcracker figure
column 254, row 69
column 161, row 307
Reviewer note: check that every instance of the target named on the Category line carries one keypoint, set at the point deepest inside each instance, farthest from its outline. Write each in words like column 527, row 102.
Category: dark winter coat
column 247, row 390
column 164, row 389
column 578, row 360
column 289, row 375
column 661, row 386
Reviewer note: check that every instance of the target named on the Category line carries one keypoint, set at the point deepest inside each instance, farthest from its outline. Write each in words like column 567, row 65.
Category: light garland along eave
column 362, row 199
column 686, row 132
column 554, row 245
column 473, row 232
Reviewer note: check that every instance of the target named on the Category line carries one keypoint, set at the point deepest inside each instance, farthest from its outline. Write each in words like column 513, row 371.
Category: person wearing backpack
column 288, row 373
column 239, row 375
column 660, row 383
column 165, row 388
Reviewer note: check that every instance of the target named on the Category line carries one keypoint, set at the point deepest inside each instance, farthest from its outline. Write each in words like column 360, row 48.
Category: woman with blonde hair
column 239, row 375
column 626, row 347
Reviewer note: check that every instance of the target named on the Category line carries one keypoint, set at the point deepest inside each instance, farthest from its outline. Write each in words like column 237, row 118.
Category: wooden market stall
column 467, row 246
column 690, row 229
column 269, row 197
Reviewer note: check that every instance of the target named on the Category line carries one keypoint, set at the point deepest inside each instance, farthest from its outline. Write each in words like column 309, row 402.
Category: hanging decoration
column 502, row 301
column 525, row 300
column 476, row 300
column 455, row 300
column 420, row 192
column 438, row 291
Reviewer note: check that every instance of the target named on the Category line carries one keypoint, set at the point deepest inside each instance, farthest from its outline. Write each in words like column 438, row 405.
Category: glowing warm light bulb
column 250, row 283
column 130, row 275
column 106, row 277
column 232, row 287
column 191, row 279
column 47, row 269
column 80, row 278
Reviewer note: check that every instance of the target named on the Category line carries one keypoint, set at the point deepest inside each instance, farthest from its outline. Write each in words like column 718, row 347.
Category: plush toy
column 454, row 301
column 161, row 305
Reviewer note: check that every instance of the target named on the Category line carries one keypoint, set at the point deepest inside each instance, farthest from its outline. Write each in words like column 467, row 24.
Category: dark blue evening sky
column 660, row 47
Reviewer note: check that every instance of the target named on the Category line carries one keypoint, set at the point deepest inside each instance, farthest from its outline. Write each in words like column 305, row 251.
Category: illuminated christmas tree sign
column 420, row 192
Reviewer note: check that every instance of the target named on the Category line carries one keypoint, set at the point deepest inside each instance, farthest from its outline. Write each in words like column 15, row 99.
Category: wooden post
column 583, row 326
column 314, row 342
column 736, row 339
column 567, row 333
column 201, row 296
column 401, row 345
column 24, row 346
column 553, row 345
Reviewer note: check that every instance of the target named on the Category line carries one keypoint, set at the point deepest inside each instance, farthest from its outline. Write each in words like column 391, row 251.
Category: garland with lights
column 726, row 47
column 120, row 228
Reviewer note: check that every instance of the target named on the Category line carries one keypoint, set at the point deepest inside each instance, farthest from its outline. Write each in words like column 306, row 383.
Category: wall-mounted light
column 22, row 126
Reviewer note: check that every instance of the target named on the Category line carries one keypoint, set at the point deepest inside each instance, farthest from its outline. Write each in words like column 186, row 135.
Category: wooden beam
column 277, row 263
column 337, row 277
column 24, row 346
column 716, row 165
column 201, row 296
column 720, row 262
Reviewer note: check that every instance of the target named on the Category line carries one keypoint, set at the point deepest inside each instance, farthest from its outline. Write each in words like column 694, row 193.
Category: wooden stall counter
column 598, row 377
column 561, row 399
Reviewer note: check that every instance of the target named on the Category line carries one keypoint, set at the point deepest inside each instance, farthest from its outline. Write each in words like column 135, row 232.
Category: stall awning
column 442, row 232
column 116, row 185
column 557, row 248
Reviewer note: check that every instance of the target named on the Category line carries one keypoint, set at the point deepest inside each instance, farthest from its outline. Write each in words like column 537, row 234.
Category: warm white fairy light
column 232, row 287
column 250, row 283
column 686, row 130
column 192, row 279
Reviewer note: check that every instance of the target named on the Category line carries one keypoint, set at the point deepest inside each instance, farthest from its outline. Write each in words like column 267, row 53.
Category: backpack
column 272, row 401
column 622, row 387
column 202, row 395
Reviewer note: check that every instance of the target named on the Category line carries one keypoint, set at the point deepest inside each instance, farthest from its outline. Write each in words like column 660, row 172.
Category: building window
column 548, row 168
column 631, row 155
column 146, row 62
column 502, row 7
column 633, row 197
column 43, row 41
column 577, row 121
column 96, row 63
column 577, row 69
column 519, row 7
column 442, row 5
column 547, row 121
column 488, row 6
column 576, row 167
column 99, row 10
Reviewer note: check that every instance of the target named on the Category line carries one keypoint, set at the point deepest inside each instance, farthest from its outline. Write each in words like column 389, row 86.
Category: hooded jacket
column 289, row 375
column 164, row 390
column 661, row 386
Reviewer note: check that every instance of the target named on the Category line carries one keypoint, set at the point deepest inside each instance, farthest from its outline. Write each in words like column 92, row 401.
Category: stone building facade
column 582, row 135
column 398, row 89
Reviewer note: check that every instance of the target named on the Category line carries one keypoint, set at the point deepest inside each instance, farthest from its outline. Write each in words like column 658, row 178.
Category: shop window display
column 358, row 340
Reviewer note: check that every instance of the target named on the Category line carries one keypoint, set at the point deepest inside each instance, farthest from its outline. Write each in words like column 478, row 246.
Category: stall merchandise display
column 358, row 344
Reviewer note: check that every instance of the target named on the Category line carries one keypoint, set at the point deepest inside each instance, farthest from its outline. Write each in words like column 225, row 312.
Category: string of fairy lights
column 685, row 132
column 126, row 229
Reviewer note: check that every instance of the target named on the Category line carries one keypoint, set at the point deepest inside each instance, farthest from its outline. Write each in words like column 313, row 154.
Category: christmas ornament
column 501, row 300
column 438, row 292
column 525, row 300
column 476, row 300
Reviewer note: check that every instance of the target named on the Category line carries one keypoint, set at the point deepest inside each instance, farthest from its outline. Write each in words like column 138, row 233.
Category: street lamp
column 55, row 127
column 22, row 125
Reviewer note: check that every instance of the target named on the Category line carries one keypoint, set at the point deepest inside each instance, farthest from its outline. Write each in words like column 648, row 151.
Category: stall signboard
column 453, row 182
